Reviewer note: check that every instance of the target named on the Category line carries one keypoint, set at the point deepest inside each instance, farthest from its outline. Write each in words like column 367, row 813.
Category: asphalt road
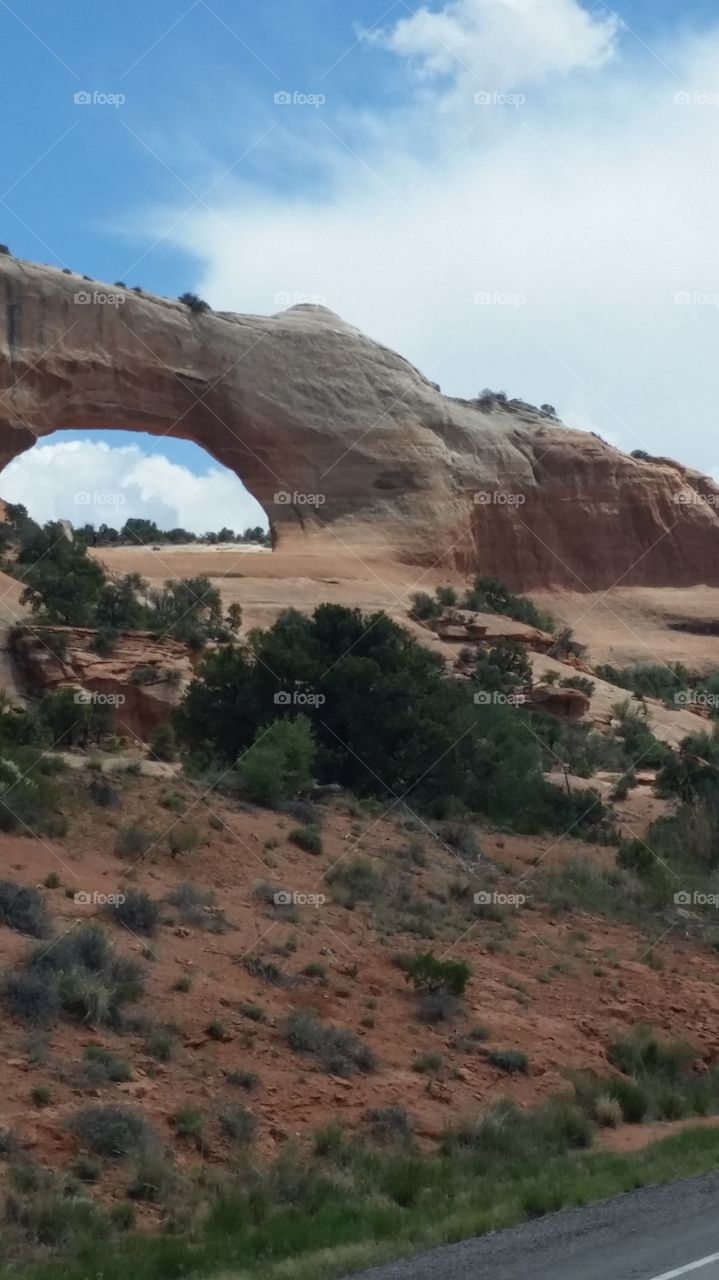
column 657, row 1233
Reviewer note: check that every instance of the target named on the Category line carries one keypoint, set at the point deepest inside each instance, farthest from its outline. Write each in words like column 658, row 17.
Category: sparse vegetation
column 112, row 1130
column 338, row 1050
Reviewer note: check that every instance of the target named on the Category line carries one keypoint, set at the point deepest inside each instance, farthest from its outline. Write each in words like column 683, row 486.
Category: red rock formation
column 142, row 681
column 344, row 443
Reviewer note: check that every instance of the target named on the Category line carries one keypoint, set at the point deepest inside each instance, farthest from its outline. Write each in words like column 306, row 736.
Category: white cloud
column 593, row 203
column 505, row 39
column 91, row 482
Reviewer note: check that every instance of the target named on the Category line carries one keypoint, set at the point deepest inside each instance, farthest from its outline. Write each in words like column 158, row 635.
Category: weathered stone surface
column 144, row 678
column 304, row 404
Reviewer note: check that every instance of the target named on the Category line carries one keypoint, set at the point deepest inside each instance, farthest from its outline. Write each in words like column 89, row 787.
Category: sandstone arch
column 303, row 403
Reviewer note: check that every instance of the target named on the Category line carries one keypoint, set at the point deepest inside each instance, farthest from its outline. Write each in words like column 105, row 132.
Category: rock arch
column 373, row 457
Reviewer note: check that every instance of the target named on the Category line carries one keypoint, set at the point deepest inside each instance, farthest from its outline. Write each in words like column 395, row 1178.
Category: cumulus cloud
column 505, row 39
column 90, row 482
column 554, row 238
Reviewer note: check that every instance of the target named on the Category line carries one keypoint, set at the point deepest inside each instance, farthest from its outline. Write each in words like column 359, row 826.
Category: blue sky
column 396, row 200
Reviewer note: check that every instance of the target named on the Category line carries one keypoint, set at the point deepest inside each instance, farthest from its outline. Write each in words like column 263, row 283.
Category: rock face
column 142, row 681
column 346, row 444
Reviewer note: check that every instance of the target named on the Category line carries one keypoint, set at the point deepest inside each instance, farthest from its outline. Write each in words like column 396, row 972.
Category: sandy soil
column 559, row 987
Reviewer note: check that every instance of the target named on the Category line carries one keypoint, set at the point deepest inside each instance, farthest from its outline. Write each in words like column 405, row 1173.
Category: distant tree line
column 137, row 531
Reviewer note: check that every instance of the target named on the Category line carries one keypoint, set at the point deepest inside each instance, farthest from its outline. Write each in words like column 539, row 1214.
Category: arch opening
column 123, row 486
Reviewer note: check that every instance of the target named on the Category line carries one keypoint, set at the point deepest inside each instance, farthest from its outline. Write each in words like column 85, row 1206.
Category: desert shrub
column 133, row 841
column 54, row 1220
column 87, row 979
column 304, row 812
column 267, row 970
column 238, row 1123
column 101, row 1065
column 112, row 1130
column 428, row 1063
column 607, row 1111
column 30, row 997
column 243, row 1079
column 640, row 744
column 487, row 595
column 254, row 1012
column 307, row 838
column 424, row 607
column 389, row 1124
column 278, row 765
column 22, row 908
column 159, row 1043
column 41, row 1095
column 163, row 744
column 505, row 668
column 338, row 1050
column 582, row 683
column 513, row 1061
column 565, row 646
column 136, row 910
column 641, row 1053
column 184, row 837
column 649, row 680
column 460, row 836
column 196, row 906
column 355, row 880
column 152, row 1178
column 187, row 1122
column 194, row 303
column 216, row 1030
column 428, row 973
column 437, row 1006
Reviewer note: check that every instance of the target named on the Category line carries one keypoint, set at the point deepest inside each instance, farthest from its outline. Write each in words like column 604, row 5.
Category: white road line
column 691, row 1266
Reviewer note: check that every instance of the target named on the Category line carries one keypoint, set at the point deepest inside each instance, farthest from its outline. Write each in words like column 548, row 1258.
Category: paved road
column 658, row 1233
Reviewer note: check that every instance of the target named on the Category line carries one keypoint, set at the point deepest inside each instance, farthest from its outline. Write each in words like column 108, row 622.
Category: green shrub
column 101, row 1065
column 87, row 980
column 159, row 1043
column 307, row 838
column 30, row 997
column 137, row 911
column 278, row 765
column 389, row 1124
column 163, row 744
column 429, row 974
column 239, row 1124
column 134, row 841
column 22, row 908
column 338, row 1050
column 41, row 1095
column 355, row 880
column 513, row 1061
column 112, row 1130
column 187, row 1122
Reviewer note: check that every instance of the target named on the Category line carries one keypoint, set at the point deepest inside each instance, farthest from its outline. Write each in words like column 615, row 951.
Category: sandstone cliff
column 344, row 443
